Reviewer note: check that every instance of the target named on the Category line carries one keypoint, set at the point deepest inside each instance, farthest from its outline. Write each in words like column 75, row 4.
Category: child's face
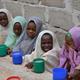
column 31, row 30
column 46, row 42
column 17, row 29
column 3, row 19
column 69, row 42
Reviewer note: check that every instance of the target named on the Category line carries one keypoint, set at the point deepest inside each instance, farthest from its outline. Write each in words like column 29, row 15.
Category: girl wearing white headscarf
column 4, row 30
column 51, row 57
column 26, row 43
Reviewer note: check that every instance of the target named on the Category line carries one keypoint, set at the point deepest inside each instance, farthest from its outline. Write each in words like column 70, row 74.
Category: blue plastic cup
column 17, row 57
column 60, row 74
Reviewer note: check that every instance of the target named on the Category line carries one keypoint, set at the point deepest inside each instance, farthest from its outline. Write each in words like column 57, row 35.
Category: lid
column 13, row 78
column 16, row 53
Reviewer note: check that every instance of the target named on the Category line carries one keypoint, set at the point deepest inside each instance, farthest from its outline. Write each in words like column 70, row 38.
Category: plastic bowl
column 13, row 78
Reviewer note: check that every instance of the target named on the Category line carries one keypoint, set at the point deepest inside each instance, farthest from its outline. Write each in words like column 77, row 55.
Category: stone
column 14, row 7
column 56, row 3
column 76, row 4
column 60, row 18
column 30, row 1
column 76, row 17
column 1, row 4
column 7, row 0
column 34, row 10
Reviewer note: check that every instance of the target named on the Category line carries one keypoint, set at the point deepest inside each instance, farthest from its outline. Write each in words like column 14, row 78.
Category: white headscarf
column 51, row 57
column 9, row 15
column 5, row 29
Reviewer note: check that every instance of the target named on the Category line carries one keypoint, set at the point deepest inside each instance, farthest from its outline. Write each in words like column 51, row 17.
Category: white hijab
column 5, row 30
column 9, row 15
column 51, row 57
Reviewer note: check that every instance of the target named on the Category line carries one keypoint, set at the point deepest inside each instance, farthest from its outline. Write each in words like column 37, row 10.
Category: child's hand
column 76, row 73
column 1, row 40
column 9, row 51
column 67, row 47
column 29, row 65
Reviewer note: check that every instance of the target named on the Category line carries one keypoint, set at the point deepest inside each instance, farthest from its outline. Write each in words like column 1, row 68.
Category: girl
column 18, row 24
column 70, row 53
column 5, row 19
column 47, row 48
column 27, row 41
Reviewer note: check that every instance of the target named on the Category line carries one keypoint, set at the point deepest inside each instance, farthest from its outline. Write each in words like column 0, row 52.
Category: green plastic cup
column 38, row 65
column 3, row 50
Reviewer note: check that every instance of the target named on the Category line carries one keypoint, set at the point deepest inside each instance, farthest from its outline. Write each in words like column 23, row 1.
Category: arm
column 10, row 41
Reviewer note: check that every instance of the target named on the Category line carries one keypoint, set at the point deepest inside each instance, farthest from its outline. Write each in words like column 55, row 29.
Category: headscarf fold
column 12, row 40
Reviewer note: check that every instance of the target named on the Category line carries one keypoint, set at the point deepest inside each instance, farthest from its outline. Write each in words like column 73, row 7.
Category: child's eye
column 5, row 18
column 0, row 19
column 42, row 42
column 33, row 30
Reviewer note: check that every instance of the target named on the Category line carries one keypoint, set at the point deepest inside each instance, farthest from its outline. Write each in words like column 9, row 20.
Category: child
column 27, row 42
column 18, row 25
column 70, row 53
column 47, row 48
column 5, row 19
